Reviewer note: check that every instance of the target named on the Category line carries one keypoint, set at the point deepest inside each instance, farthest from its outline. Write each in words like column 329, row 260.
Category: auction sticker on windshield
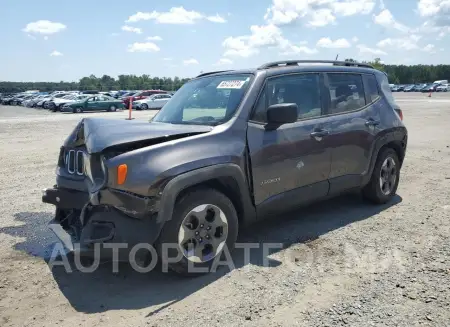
column 231, row 84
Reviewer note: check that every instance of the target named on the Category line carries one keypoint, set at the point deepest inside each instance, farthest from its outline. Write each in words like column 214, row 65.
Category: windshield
column 209, row 100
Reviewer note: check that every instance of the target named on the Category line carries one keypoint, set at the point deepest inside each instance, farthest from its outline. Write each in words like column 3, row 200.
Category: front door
column 354, row 117
column 290, row 165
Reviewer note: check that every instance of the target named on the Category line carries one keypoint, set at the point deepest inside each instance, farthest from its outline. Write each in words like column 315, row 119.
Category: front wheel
column 144, row 106
column 203, row 224
column 385, row 177
column 113, row 108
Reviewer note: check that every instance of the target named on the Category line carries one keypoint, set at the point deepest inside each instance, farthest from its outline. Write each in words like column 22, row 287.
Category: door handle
column 372, row 122
column 319, row 133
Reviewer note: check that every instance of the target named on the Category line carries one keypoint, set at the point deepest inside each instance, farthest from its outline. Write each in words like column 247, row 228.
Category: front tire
column 144, row 106
column 112, row 108
column 203, row 223
column 385, row 177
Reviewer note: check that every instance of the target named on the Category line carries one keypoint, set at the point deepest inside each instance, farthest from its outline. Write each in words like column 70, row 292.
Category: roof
column 291, row 66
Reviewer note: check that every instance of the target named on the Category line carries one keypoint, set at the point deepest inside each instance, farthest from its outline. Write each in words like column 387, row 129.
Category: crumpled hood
column 100, row 133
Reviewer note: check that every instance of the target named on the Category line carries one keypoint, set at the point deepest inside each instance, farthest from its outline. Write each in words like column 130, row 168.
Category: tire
column 144, row 106
column 112, row 108
column 170, row 233
column 387, row 161
column 77, row 110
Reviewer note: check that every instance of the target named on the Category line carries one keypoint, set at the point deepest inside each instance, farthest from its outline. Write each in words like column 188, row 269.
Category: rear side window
column 371, row 87
column 346, row 92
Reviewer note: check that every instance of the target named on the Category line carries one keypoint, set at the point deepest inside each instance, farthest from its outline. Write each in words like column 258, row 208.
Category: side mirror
column 282, row 113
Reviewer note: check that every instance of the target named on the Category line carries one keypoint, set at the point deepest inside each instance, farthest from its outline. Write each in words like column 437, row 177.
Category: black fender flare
column 202, row 175
column 396, row 135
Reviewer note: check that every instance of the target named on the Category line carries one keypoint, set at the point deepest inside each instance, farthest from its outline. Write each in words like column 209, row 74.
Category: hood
column 99, row 134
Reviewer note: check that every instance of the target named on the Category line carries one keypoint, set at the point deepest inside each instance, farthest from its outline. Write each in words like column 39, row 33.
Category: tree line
column 413, row 74
column 398, row 74
column 104, row 83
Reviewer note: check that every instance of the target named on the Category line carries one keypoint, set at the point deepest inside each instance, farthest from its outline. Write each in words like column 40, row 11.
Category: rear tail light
column 399, row 113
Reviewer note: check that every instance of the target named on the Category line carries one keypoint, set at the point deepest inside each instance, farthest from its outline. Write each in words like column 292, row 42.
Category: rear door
column 354, row 113
column 290, row 165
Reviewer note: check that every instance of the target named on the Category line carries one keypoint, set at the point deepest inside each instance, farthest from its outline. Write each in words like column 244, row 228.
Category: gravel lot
column 343, row 263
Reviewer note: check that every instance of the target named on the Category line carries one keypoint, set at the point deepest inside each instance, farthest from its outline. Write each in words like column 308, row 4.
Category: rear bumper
column 87, row 223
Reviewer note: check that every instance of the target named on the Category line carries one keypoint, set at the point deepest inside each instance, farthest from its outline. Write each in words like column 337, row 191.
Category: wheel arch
column 225, row 178
column 397, row 140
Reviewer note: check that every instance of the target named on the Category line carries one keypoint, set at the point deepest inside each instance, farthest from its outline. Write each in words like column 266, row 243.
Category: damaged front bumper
column 83, row 220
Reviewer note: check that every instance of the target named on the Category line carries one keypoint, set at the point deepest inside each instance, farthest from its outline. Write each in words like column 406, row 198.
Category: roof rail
column 296, row 62
column 216, row 72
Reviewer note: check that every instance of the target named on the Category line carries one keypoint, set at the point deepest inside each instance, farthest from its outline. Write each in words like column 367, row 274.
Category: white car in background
column 155, row 101
column 442, row 88
column 57, row 103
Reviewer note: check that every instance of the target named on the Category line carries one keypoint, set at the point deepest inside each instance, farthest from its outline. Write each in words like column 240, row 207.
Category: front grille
column 74, row 162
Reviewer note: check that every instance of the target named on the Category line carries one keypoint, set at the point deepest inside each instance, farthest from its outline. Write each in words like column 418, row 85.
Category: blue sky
column 51, row 41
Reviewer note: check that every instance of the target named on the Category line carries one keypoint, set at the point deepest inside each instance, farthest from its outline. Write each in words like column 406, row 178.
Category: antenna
column 337, row 56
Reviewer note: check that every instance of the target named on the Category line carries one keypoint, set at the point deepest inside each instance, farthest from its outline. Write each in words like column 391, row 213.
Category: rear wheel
column 204, row 222
column 112, row 108
column 385, row 177
column 78, row 110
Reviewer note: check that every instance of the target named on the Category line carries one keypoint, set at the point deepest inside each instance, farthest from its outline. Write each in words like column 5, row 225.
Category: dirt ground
column 342, row 263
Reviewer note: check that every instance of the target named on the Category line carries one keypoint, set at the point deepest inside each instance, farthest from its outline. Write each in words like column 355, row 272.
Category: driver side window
column 301, row 89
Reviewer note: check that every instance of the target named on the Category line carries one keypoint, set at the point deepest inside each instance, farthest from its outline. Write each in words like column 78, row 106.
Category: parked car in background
column 398, row 88
column 442, row 88
column 156, row 101
column 419, row 87
column 58, row 103
column 430, row 88
column 46, row 103
column 94, row 103
column 409, row 88
column 141, row 95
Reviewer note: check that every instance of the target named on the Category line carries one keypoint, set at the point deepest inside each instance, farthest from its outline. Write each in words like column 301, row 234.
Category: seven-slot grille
column 73, row 161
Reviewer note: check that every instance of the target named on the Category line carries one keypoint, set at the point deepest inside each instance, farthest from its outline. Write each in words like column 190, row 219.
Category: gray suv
column 229, row 148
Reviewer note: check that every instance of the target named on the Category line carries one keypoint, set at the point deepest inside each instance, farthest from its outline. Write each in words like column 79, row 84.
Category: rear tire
column 221, row 230
column 112, row 108
column 385, row 178
column 77, row 110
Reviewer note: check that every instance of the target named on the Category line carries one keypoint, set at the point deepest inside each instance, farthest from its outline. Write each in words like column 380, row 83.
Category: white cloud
column 44, row 27
column 216, row 19
column 175, row 15
column 366, row 50
column 190, row 62
column 131, row 29
column 315, row 13
column 154, row 38
column 248, row 45
column 382, row 5
column 326, row 42
column 167, row 59
column 292, row 49
column 56, row 54
column 265, row 36
column 223, row 61
column 321, row 17
column 355, row 39
column 430, row 48
column 353, row 7
column 437, row 11
column 388, row 21
column 405, row 43
column 143, row 47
